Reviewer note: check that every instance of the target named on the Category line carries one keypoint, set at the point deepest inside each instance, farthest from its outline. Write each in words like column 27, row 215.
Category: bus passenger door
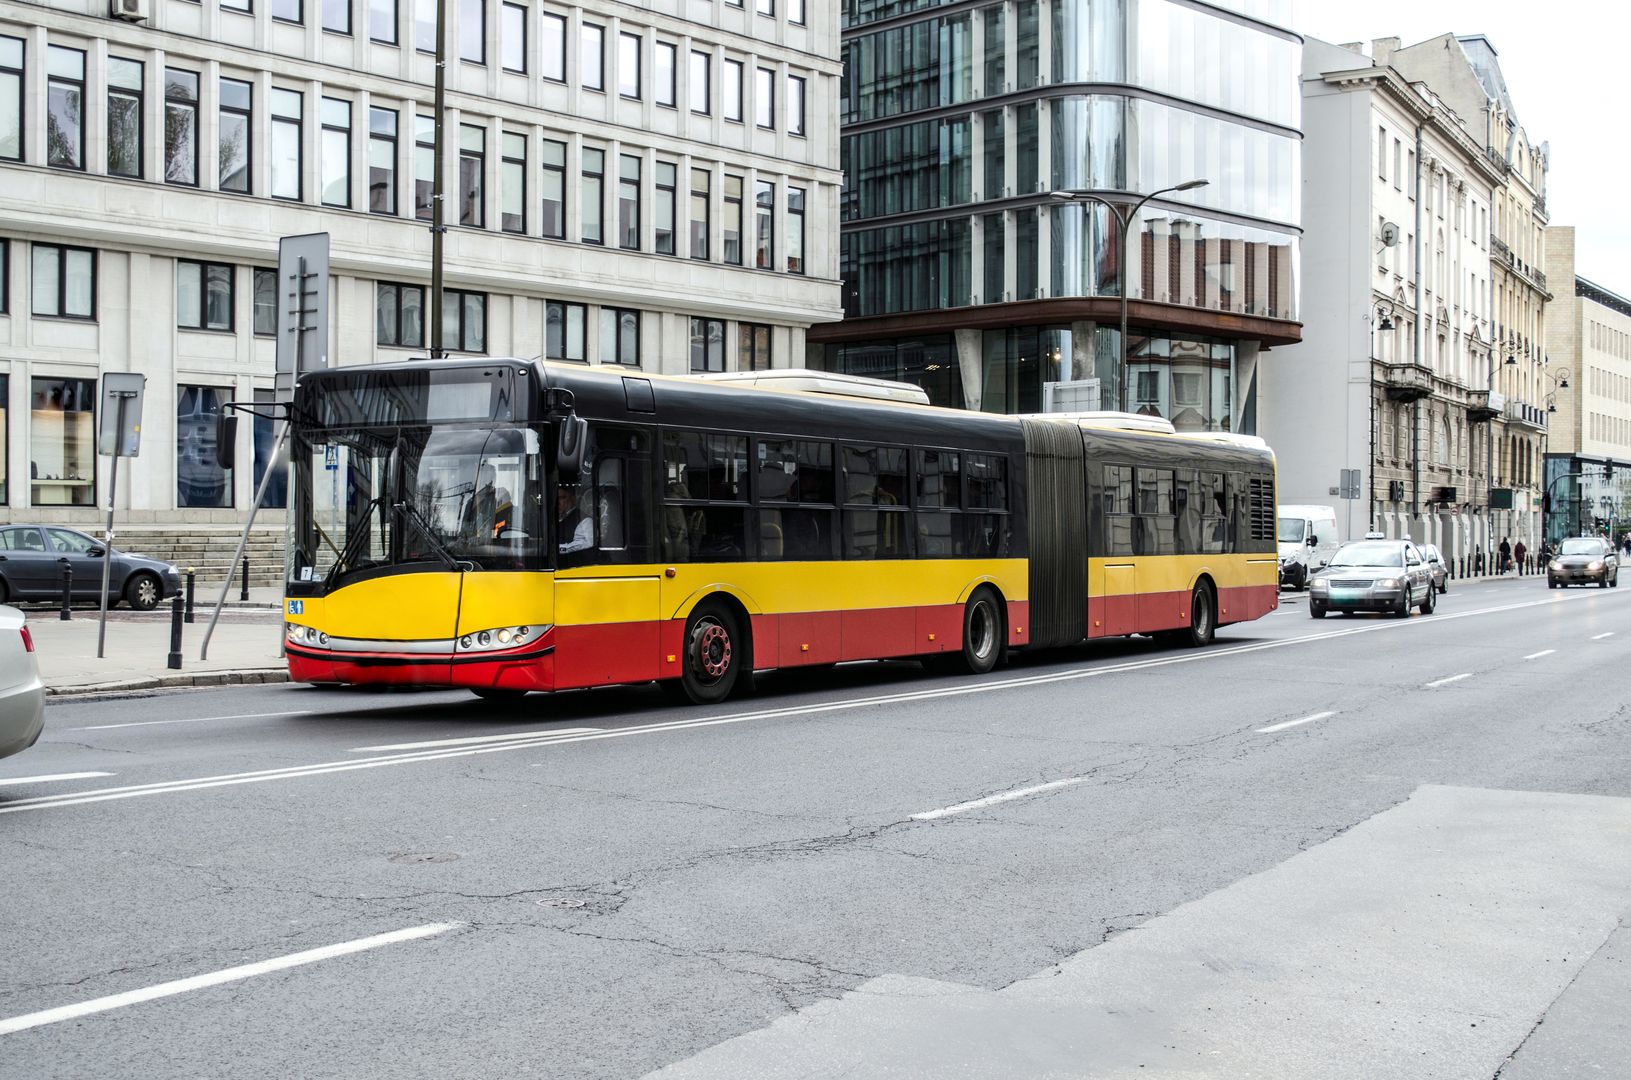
column 1120, row 600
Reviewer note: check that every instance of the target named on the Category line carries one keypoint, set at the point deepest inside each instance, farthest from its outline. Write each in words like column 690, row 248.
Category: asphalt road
column 599, row 884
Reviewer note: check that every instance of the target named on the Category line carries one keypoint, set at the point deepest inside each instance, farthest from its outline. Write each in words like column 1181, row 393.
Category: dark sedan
column 1584, row 560
column 32, row 558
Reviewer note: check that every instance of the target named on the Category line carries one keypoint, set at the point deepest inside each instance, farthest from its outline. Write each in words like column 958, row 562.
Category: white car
column 22, row 695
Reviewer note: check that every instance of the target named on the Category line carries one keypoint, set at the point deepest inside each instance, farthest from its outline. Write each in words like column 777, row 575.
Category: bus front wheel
column 714, row 653
column 983, row 632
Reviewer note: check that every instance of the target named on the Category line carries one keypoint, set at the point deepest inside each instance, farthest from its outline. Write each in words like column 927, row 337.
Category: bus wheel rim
column 713, row 649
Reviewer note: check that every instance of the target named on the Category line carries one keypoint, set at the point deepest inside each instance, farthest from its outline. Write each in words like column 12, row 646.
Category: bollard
column 243, row 589
column 189, row 616
column 174, row 662
column 67, row 592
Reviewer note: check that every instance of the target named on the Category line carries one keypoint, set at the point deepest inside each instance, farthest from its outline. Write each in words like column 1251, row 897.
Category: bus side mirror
column 226, row 439
column 569, row 443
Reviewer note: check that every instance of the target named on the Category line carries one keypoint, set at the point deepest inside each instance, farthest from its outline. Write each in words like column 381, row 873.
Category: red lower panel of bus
column 1146, row 613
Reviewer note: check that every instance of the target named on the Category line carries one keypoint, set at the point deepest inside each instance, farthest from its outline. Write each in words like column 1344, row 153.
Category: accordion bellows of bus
column 513, row 526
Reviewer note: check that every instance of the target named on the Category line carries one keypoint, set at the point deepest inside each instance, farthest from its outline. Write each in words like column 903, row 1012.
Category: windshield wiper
column 353, row 546
column 412, row 514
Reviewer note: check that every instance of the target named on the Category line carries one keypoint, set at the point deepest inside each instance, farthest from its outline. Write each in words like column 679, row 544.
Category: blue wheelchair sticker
column 297, row 607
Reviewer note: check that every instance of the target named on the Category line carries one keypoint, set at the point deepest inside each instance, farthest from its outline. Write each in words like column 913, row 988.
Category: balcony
column 1484, row 406
column 1502, row 254
column 1408, row 382
column 1523, row 414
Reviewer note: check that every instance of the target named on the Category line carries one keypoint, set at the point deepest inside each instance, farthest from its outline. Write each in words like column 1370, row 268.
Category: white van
column 1308, row 538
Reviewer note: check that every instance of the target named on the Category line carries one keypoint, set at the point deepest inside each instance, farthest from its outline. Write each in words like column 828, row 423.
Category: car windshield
column 1291, row 530
column 1584, row 546
column 1373, row 553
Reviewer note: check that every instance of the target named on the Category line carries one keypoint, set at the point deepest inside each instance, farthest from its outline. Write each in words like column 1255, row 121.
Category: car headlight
column 1555, row 565
column 1387, row 583
column 1595, row 566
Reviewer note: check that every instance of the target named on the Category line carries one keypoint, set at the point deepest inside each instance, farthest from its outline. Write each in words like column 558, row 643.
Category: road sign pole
column 107, row 539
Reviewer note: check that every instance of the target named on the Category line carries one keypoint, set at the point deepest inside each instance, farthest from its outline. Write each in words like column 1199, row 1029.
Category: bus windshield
column 465, row 498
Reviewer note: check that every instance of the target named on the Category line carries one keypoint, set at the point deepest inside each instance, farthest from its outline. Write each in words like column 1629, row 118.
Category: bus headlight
column 501, row 637
column 307, row 635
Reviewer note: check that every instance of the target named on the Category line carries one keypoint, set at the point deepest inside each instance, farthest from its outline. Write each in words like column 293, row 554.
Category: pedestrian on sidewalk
column 1506, row 557
column 1518, row 551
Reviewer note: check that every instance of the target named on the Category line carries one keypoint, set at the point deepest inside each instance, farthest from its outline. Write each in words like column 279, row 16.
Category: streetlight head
column 1063, row 196
column 1511, row 361
column 1563, row 384
column 1191, row 185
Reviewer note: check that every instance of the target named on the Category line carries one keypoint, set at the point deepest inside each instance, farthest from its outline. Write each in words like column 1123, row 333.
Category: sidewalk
column 244, row 648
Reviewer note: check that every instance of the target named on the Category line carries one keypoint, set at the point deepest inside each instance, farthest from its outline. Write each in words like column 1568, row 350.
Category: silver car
column 1374, row 575
column 22, row 695
column 1436, row 564
column 1584, row 560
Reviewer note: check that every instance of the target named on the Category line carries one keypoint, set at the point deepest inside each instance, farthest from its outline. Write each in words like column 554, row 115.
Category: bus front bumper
column 529, row 666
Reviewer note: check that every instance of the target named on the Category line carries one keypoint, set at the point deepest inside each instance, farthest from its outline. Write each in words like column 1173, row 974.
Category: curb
column 229, row 677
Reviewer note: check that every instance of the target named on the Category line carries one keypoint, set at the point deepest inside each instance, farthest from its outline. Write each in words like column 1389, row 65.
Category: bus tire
column 984, row 632
column 1203, row 617
column 497, row 694
column 715, row 649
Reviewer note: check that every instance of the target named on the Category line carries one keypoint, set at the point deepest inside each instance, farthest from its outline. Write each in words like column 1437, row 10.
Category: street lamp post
column 1124, row 222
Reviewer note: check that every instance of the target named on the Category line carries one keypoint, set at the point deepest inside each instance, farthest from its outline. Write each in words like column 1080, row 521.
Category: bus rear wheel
column 1203, row 618
column 714, row 653
column 983, row 632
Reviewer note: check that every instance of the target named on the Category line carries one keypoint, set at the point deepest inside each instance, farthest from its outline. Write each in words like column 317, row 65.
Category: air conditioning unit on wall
column 129, row 10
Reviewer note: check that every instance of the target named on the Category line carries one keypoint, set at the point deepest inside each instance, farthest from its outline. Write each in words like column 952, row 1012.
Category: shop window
column 62, row 442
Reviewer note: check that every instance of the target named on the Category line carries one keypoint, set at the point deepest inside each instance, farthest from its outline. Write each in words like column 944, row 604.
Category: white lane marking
column 216, row 978
column 993, row 800
column 474, row 740
column 1600, row 637
column 1294, row 723
column 1538, row 655
column 53, row 778
column 231, row 779
column 194, row 720
column 1448, row 681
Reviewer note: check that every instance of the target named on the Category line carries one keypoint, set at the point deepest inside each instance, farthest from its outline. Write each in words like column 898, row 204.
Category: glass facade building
column 963, row 273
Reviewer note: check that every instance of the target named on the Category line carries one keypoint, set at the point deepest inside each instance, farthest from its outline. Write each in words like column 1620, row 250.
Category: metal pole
column 173, row 661
column 243, row 541
column 1125, row 221
column 67, row 613
column 438, row 197
column 190, row 581
column 107, row 540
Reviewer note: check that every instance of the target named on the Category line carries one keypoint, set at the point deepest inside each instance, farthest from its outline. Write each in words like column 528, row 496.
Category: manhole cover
column 425, row 857
column 559, row 901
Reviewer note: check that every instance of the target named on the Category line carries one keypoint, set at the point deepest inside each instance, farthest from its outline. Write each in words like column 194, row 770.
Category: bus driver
column 573, row 531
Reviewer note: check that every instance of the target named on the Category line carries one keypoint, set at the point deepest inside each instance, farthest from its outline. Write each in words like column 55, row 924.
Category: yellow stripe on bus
column 1178, row 573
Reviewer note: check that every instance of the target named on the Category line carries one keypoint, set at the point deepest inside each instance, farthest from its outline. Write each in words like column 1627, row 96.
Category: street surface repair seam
column 46, row 802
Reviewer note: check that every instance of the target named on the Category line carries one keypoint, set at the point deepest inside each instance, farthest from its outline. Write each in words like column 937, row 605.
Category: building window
column 765, row 7
column 472, row 171
column 5, row 424
column 513, row 37
column 1381, row 153
column 733, row 220
column 795, row 230
column 731, row 91
column 5, row 303
column 473, row 31
column 554, row 158
column 594, row 179
column 424, row 25
column 628, row 66
column 277, row 489
column 795, row 105
column 795, row 12
column 552, row 45
column 382, row 21
column 592, row 57
column 464, row 321
column 512, row 183
column 764, row 217
column 752, row 347
column 399, row 315
column 62, row 442
column 701, row 181
column 424, row 167
column 200, row 480
column 564, row 330
column 707, row 344
column 698, row 83
column 11, row 98
column 180, row 126
column 287, row 10
column 265, row 302
column 336, row 152
column 65, row 107
column 620, row 336
column 664, row 60
column 764, row 97
column 286, row 122
column 124, row 117
column 381, row 161
column 628, row 202
column 64, row 282
column 203, row 295
column 667, row 184
column 337, row 16
column 234, row 140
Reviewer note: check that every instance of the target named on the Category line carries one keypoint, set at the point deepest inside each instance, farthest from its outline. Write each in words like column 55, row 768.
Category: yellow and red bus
column 511, row 526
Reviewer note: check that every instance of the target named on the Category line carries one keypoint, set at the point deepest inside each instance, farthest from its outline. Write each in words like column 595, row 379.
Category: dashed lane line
column 1295, row 723
column 54, row 778
column 1538, row 655
column 1436, row 683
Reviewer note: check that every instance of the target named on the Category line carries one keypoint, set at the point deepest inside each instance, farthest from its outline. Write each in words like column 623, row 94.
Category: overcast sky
column 1566, row 64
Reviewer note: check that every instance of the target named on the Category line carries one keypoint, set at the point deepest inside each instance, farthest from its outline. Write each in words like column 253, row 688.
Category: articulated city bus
column 510, row 526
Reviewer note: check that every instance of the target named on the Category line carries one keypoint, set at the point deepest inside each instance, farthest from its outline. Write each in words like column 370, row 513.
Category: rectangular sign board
column 120, row 434
column 302, row 311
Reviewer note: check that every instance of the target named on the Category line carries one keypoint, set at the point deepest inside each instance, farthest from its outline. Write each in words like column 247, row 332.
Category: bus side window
column 1186, row 510
column 1214, row 513
column 1117, row 500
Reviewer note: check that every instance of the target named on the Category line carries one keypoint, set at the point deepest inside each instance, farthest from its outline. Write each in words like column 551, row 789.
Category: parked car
column 22, row 695
column 1583, row 560
column 32, row 558
column 1373, row 575
column 1440, row 569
